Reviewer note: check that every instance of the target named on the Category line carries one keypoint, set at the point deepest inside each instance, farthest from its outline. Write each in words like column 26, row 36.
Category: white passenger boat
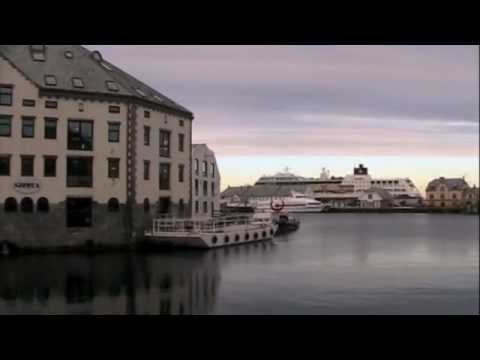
column 211, row 233
column 296, row 203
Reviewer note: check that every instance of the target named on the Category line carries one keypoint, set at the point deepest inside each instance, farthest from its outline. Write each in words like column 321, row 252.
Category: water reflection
column 183, row 283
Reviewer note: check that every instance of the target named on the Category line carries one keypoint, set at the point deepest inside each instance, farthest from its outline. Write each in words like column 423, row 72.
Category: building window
column 6, row 95
column 196, row 207
column 38, row 52
column 111, row 86
column 43, row 205
column 146, row 135
column 370, row 197
column 114, row 109
column 196, row 187
column 27, row 168
column 454, row 196
column 164, row 176
column 79, row 172
column 146, row 170
column 146, row 114
column 28, row 127
column 50, row 166
column 181, row 142
column 197, row 166
column 77, row 83
column 213, row 208
column 28, row 103
column 213, row 189
column 182, row 123
column 113, row 168
column 164, row 143
column 10, row 205
column 432, row 197
column 205, row 207
column 5, row 125
column 4, row 165
column 26, row 205
column 146, row 205
column 50, row 80
column 213, row 170
column 80, row 135
column 113, row 205
column 205, row 188
column 164, row 205
column 205, row 169
column 49, row 104
column 181, row 170
column 442, row 196
column 50, row 128
column 113, row 132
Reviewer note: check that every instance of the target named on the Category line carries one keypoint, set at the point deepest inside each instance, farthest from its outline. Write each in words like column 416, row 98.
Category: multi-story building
column 448, row 193
column 205, row 182
column 88, row 153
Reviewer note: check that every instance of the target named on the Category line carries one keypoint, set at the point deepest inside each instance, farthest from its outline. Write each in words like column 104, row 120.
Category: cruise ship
column 358, row 182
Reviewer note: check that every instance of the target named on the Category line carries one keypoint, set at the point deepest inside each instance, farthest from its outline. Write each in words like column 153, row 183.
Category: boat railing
column 172, row 225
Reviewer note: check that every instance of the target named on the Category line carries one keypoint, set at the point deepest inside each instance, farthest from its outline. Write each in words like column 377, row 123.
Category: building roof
column 90, row 67
column 256, row 191
column 451, row 184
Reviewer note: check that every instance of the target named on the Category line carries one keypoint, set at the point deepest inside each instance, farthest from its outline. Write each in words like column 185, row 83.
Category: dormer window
column 97, row 56
column 158, row 98
column 106, row 66
column 69, row 55
column 38, row 52
column 112, row 86
column 77, row 83
column 140, row 92
column 50, row 80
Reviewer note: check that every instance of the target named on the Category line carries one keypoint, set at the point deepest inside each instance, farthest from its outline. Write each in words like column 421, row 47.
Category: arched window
column 43, row 205
column 146, row 205
column 11, row 205
column 26, row 205
column 113, row 205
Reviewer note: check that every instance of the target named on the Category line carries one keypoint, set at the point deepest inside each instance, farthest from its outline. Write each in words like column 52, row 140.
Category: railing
column 211, row 225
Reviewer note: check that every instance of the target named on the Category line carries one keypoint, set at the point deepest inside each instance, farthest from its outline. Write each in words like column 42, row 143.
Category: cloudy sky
column 400, row 110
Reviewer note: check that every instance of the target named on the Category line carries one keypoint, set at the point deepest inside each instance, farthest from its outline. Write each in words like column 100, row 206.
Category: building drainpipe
column 131, row 170
column 191, row 171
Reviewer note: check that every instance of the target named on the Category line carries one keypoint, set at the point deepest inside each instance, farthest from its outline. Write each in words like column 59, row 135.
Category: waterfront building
column 205, row 182
column 449, row 193
column 88, row 153
column 376, row 198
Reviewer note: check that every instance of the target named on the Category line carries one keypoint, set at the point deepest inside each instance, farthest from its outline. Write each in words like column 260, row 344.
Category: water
column 334, row 264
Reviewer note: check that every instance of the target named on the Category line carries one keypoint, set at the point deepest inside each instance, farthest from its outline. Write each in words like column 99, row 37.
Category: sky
column 402, row 111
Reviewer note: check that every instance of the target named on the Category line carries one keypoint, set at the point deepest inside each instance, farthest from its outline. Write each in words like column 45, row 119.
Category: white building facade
column 205, row 182
column 88, row 154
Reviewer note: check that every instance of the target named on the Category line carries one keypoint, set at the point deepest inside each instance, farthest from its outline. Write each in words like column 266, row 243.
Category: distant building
column 205, row 182
column 376, row 198
column 471, row 197
column 447, row 193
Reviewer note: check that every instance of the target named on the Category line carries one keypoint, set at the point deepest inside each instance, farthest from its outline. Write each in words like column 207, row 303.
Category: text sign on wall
column 27, row 186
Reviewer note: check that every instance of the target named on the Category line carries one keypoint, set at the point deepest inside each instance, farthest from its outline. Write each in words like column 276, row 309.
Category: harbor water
column 334, row 264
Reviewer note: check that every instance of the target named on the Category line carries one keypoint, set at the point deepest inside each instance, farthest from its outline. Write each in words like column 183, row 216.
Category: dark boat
column 286, row 223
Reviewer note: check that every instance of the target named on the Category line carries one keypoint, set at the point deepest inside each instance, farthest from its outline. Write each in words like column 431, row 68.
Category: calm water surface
column 334, row 264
